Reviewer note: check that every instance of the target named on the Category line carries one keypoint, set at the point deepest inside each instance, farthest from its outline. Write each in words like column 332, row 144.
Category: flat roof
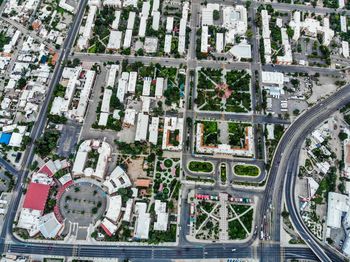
column 167, row 43
column 132, row 82
column 142, row 127
column 159, row 87
column 169, row 24
column 204, row 39
column 142, row 28
column 131, row 20
column 127, row 38
column 269, row 77
column 49, row 226
column 153, row 130
column 114, row 207
column 156, row 20
column 16, row 140
column 107, row 94
column 146, row 89
column 114, row 41
column 103, row 119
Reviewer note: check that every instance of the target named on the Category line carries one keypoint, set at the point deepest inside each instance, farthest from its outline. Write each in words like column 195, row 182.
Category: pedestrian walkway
column 223, row 236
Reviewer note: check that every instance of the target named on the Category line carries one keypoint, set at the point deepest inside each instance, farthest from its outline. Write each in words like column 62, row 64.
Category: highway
column 139, row 252
column 286, row 157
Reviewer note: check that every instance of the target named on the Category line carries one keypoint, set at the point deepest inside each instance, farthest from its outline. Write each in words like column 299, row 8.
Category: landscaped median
column 200, row 166
column 246, row 170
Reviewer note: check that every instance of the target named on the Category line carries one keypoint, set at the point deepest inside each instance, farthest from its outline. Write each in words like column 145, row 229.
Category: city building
column 127, row 38
column 108, row 227
column 122, row 86
column 287, row 58
column 49, row 226
column 172, row 134
column 114, row 41
column 167, row 43
column 153, row 130
column 204, row 39
column 311, row 27
column 207, row 14
column 79, row 112
column 235, row 20
column 159, row 87
column 132, row 82
column 114, row 206
column 116, row 180
column 265, row 19
column 104, row 150
column 143, row 220
column 141, row 127
column 112, row 74
column 151, row 45
column 162, row 216
column 169, row 24
column 34, row 203
column 345, row 49
column 247, row 150
column 83, row 40
column 129, row 117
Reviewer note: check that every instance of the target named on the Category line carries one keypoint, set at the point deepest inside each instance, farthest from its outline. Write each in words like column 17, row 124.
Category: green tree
column 216, row 15
column 45, row 144
column 342, row 136
column 249, row 33
column 21, row 83
column 296, row 112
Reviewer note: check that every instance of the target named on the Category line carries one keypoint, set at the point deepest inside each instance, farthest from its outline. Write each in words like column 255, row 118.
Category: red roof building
column 46, row 170
column 36, row 196
column 54, row 59
column 105, row 229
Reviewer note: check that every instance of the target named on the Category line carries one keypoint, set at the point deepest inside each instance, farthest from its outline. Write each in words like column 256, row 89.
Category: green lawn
column 235, row 230
column 237, row 133
column 247, row 220
column 210, row 134
column 246, row 170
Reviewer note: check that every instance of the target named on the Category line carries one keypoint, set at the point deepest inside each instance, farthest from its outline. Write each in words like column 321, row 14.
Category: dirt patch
column 135, row 168
column 323, row 90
